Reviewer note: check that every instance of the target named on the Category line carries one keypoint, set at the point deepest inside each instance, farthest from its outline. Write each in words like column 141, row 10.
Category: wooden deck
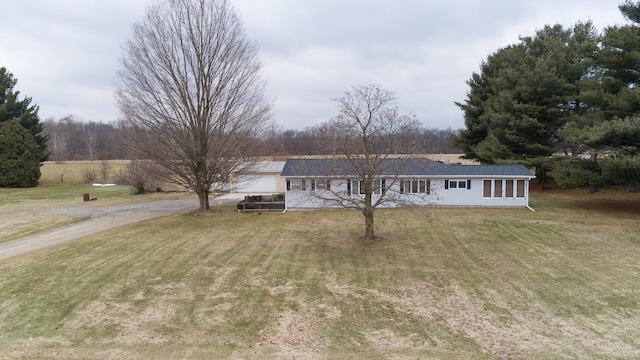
column 252, row 203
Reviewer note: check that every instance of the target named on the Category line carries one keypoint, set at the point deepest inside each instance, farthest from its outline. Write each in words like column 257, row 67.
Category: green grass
column 561, row 282
column 51, row 189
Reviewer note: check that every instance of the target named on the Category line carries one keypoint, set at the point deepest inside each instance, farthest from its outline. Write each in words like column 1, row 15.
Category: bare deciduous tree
column 190, row 92
column 58, row 148
column 91, row 144
column 369, row 140
column 105, row 170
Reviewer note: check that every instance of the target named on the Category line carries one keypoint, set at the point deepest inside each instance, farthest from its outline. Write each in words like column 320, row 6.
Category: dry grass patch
column 442, row 283
column 29, row 211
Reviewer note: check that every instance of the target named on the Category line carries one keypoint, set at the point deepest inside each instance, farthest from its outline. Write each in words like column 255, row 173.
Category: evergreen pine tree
column 11, row 108
column 19, row 163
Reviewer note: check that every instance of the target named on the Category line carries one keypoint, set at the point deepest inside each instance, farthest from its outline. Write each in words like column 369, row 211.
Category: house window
column 354, row 186
column 304, row 185
column 379, row 186
column 321, row 184
column 415, row 186
column 486, row 188
column 457, row 184
column 295, row 185
column 499, row 188
column 520, row 191
column 508, row 190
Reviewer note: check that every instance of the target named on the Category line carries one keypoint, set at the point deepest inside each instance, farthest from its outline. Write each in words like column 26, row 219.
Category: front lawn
column 445, row 283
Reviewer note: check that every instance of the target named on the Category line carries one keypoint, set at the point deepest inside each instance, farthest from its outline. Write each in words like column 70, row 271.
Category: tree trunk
column 203, row 197
column 368, row 220
column 368, row 210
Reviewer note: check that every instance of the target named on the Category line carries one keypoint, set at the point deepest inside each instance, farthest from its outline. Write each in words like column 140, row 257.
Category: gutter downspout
column 528, row 183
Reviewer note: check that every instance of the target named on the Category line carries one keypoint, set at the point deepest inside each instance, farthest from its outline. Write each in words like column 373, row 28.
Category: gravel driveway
column 103, row 219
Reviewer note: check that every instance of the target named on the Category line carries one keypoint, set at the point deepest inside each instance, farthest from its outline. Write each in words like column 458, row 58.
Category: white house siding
column 475, row 196
column 309, row 199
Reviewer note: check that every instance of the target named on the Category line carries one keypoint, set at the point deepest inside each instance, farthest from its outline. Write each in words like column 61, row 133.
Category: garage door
column 257, row 183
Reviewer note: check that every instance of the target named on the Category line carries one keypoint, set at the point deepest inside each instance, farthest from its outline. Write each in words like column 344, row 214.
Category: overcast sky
column 65, row 53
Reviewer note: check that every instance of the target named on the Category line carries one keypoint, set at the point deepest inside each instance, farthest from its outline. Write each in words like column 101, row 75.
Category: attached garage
column 257, row 183
column 261, row 177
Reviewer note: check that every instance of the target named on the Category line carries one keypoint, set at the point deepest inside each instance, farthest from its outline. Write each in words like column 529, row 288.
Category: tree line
column 311, row 140
column 72, row 139
column 571, row 92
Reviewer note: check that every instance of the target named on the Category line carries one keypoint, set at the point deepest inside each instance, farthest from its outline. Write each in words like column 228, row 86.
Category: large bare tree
column 372, row 142
column 190, row 92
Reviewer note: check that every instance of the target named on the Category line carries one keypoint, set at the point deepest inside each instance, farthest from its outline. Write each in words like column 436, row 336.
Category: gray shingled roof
column 400, row 166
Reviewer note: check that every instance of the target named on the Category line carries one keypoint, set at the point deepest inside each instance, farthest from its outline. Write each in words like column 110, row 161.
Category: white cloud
column 65, row 52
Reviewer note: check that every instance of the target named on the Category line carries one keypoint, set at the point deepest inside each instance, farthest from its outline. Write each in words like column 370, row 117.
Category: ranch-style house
column 414, row 181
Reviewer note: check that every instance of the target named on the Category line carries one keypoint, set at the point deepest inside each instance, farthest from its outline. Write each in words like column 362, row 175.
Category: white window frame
column 320, row 184
column 415, row 186
column 295, row 185
column 378, row 186
column 503, row 188
column 353, row 187
column 457, row 184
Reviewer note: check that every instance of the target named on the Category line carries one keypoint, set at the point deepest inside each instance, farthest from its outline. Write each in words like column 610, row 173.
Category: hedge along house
column 313, row 183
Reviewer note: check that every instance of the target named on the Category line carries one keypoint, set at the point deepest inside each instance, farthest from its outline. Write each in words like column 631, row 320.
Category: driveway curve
column 104, row 219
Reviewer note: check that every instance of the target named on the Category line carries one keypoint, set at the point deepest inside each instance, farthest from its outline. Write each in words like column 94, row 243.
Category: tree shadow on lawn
column 610, row 205
column 612, row 202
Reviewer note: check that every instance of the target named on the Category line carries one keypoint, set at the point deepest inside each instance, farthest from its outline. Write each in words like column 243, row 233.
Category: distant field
column 452, row 158
column 444, row 283
column 60, row 182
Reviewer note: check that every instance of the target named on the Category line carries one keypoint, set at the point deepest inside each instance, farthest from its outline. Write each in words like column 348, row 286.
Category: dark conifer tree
column 19, row 164
column 12, row 108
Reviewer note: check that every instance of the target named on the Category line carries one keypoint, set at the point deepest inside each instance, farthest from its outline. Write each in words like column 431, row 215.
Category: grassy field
column 52, row 189
column 443, row 283
column 24, row 212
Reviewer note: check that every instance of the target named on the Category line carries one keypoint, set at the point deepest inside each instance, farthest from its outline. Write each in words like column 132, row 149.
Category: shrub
column 89, row 174
column 139, row 176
